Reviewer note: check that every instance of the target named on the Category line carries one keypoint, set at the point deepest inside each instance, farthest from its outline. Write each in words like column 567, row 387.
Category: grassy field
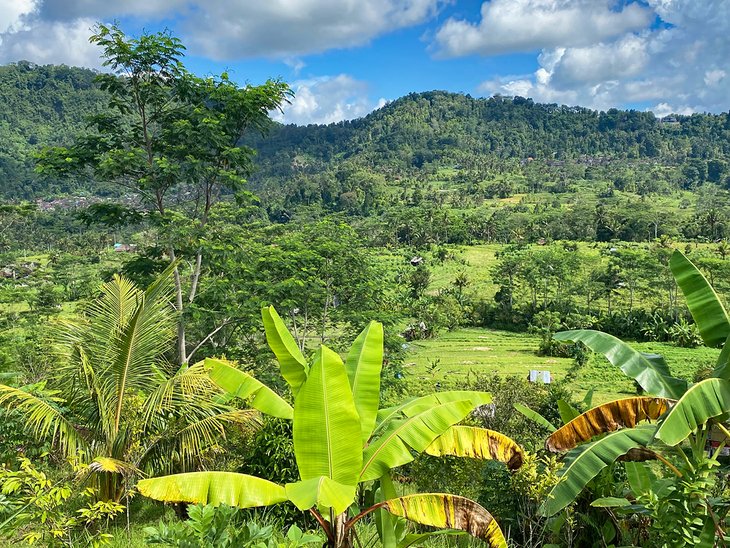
column 452, row 357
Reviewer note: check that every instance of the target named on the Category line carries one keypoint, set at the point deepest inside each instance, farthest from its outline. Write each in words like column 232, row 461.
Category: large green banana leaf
column 704, row 400
column 639, row 476
column 322, row 492
column 240, row 490
column 534, row 416
column 326, row 428
column 477, row 443
column 450, row 512
column 722, row 367
column 585, row 462
column 702, row 301
column 649, row 370
column 242, row 385
column 413, row 406
column 395, row 445
column 624, row 413
column 364, row 363
column 567, row 412
column 293, row 365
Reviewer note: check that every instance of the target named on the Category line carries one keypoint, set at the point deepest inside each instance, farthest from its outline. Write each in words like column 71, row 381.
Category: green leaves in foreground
column 326, row 426
column 702, row 301
column 703, row 401
column 364, row 364
column 214, row 488
column 649, row 370
column 449, row 511
column 585, row 462
column 240, row 384
column 293, row 366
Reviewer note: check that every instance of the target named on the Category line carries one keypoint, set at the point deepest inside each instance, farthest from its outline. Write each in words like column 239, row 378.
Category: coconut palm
column 114, row 400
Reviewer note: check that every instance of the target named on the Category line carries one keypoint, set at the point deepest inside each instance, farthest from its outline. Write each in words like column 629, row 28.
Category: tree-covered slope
column 40, row 105
column 407, row 138
column 433, row 126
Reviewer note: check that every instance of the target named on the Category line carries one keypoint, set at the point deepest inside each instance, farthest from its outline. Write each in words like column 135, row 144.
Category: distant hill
column 41, row 105
column 414, row 135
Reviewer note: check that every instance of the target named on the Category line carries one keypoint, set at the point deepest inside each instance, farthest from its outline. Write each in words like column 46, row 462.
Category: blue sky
column 346, row 57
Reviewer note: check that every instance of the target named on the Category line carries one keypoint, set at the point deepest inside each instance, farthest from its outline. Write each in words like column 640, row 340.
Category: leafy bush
column 223, row 527
column 685, row 334
column 37, row 509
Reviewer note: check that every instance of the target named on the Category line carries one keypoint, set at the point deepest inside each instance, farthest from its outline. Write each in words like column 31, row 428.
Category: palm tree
column 114, row 400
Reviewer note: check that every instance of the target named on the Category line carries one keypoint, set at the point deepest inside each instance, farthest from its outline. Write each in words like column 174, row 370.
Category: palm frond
column 44, row 418
column 187, row 444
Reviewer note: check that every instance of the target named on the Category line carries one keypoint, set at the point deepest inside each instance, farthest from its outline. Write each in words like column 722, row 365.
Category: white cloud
column 527, row 25
column 285, row 28
column 218, row 29
column 52, row 42
column 12, row 13
column 328, row 99
column 681, row 68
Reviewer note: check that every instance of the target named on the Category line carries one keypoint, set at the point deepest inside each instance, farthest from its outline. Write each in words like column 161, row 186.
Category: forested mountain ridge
column 41, row 105
column 423, row 127
column 411, row 137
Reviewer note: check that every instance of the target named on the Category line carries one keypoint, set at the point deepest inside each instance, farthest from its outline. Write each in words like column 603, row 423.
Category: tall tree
column 172, row 139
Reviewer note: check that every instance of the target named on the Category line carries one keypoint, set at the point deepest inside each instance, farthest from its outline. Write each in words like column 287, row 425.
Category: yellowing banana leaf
column 450, row 512
column 624, row 413
column 413, row 406
column 322, row 492
column 702, row 301
column 395, row 445
column 477, row 443
column 534, row 416
column 364, row 363
column 649, row 370
column 585, row 462
column 706, row 399
column 240, row 490
column 326, row 428
column 293, row 365
column 242, row 385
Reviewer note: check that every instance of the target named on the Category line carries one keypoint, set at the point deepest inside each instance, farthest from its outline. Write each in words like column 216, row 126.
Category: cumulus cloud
column 328, row 99
column 508, row 26
column 679, row 67
column 12, row 13
column 286, row 28
column 51, row 42
column 223, row 30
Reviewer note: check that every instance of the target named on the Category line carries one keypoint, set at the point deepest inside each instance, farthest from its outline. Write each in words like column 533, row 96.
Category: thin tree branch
column 226, row 322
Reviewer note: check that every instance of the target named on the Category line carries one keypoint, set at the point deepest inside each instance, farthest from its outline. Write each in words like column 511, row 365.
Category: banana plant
column 680, row 412
column 342, row 439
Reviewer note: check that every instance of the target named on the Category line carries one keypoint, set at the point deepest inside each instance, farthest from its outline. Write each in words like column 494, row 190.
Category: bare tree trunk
column 181, row 347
